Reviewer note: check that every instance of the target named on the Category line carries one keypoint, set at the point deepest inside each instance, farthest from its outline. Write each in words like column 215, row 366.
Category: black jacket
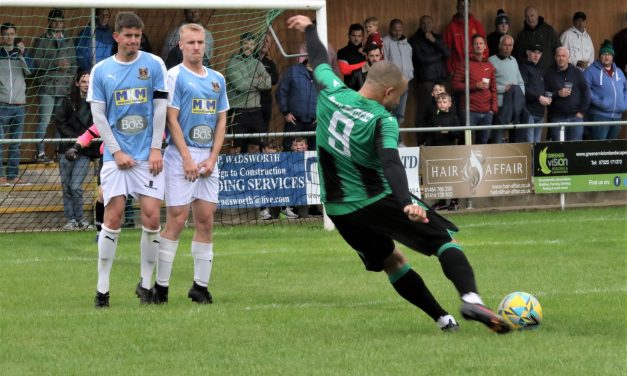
column 577, row 101
column 429, row 58
column 71, row 122
column 443, row 119
column 534, row 87
column 513, row 110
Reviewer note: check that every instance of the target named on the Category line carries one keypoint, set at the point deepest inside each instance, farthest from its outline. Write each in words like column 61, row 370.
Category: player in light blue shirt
column 128, row 96
column 197, row 107
column 199, row 98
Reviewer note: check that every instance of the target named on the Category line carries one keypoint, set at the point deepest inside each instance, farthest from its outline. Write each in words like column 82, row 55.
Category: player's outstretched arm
column 315, row 49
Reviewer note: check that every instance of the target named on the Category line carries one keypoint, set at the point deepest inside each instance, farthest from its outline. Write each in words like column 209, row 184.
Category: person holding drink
column 571, row 96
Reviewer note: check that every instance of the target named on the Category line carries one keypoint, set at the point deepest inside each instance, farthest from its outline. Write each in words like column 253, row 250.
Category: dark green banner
column 581, row 166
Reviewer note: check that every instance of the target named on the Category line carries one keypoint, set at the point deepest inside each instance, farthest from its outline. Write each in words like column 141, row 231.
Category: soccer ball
column 521, row 310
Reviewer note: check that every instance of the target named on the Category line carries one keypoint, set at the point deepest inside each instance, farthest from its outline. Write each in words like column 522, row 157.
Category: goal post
column 38, row 205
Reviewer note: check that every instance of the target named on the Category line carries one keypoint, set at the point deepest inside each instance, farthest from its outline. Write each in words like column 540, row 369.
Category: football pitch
column 295, row 300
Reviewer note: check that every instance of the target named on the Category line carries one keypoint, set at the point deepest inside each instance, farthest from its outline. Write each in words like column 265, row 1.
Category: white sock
column 444, row 320
column 472, row 298
column 107, row 244
column 203, row 261
column 149, row 249
column 167, row 251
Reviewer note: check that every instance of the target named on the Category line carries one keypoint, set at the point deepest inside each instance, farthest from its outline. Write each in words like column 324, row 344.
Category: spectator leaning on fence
column 72, row 119
column 13, row 70
column 571, row 96
column 608, row 93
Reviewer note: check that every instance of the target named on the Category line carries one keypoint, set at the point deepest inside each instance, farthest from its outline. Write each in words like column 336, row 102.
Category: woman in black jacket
column 72, row 119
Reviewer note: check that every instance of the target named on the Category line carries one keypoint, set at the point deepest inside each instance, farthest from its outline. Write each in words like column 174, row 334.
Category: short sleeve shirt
column 349, row 126
column 199, row 99
column 127, row 91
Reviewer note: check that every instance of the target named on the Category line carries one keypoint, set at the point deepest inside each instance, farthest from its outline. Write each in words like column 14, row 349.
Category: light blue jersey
column 127, row 91
column 199, row 99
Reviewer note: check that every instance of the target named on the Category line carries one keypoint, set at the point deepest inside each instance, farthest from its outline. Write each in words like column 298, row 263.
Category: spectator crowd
column 526, row 78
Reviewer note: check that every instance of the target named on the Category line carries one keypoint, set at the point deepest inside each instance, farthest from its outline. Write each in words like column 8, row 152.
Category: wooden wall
column 605, row 18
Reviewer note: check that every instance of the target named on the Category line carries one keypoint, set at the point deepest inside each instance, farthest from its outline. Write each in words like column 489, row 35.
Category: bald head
column 385, row 74
column 531, row 16
column 385, row 84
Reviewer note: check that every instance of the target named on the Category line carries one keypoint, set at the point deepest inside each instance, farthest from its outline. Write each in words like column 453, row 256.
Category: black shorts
column 371, row 231
column 246, row 120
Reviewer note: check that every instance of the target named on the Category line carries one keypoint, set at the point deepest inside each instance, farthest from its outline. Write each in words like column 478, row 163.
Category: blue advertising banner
column 262, row 180
column 284, row 179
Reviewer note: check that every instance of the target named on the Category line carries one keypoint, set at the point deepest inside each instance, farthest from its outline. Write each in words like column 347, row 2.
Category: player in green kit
column 365, row 192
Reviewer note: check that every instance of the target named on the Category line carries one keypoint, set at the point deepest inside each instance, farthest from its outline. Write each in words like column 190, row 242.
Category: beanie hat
column 501, row 18
column 607, row 48
column 55, row 14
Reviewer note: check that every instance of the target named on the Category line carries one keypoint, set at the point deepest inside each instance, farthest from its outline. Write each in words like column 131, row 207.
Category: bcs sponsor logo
column 201, row 134
column 132, row 124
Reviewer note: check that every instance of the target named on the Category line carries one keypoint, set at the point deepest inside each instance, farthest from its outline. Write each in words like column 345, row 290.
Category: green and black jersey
column 350, row 130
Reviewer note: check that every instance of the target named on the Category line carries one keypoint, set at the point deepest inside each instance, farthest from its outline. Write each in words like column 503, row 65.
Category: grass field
column 296, row 301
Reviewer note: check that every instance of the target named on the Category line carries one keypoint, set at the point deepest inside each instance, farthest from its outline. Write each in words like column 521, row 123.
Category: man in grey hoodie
column 397, row 50
column 13, row 69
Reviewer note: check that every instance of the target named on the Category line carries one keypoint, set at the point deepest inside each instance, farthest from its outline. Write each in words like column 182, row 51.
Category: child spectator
column 372, row 33
column 432, row 107
column 272, row 146
column 444, row 117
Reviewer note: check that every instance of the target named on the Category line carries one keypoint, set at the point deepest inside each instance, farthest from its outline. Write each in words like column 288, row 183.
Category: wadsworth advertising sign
column 582, row 166
column 476, row 170
column 283, row 179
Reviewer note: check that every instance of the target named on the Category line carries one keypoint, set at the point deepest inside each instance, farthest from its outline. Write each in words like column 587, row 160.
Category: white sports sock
column 167, row 251
column 472, row 298
column 203, row 261
column 107, row 245
column 444, row 320
column 149, row 249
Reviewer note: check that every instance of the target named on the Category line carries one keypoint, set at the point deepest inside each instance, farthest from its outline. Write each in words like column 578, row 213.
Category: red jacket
column 481, row 100
column 454, row 38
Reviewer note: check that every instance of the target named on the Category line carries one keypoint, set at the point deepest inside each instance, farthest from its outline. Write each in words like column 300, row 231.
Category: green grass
column 296, row 301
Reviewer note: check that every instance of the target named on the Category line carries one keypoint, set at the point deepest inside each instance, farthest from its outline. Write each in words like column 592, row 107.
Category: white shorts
column 136, row 181
column 180, row 191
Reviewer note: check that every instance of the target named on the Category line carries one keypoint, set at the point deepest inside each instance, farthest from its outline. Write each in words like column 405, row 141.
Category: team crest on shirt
column 215, row 86
column 143, row 73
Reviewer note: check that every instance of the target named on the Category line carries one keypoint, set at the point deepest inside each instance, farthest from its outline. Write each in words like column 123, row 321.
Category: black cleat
column 200, row 294
column 159, row 294
column 144, row 295
column 101, row 300
column 450, row 327
column 484, row 315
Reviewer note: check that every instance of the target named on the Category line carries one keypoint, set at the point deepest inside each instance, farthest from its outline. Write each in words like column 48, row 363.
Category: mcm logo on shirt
column 203, row 106
column 125, row 97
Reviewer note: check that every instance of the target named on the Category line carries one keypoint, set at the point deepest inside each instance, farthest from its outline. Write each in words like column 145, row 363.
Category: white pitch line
column 549, row 220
